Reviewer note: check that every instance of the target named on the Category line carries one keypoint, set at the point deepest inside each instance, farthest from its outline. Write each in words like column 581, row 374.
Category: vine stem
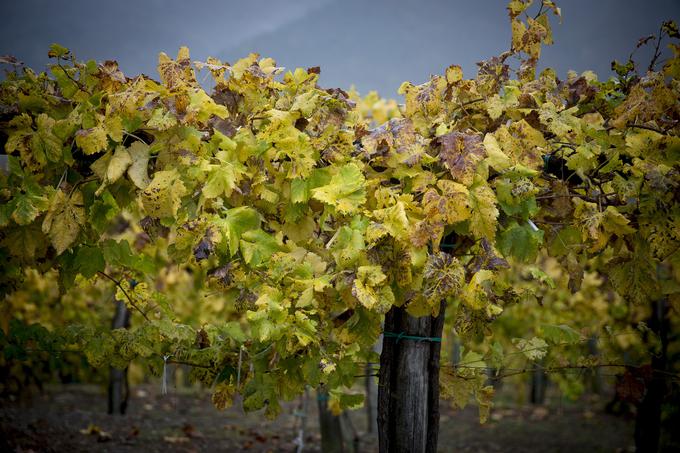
column 642, row 126
column 132, row 302
column 657, row 54
column 80, row 86
column 135, row 136
column 195, row 365
column 79, row 183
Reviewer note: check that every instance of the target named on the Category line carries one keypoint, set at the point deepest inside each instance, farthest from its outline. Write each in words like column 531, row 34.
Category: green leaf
column 205, row 107
column 568, row 239
column 495, row 156
column 103, row 211
column 223, row 177
column 306, row 103
column 560, row 334
column 299, row 191
column 57, row 51
column 370, row 290
column 634, row 275
column 533, row 349
column 44, row 144
column 161, row 120
column 257, row 246
column 89, row 260
column 394, row 220
column 346, row 245
column 234, row 223
column 6, row 213
column 119, row 163
column 119, row 253
column 516, row 196
column 26, row 242
column 339, row 401
column 484, row 397
column 27, row 207
column 520, row 242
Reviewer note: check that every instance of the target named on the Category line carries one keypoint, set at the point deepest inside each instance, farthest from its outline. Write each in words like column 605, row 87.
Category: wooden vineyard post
column 408, row 389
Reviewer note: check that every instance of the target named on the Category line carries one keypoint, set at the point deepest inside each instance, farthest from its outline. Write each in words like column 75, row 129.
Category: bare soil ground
column 72, row 418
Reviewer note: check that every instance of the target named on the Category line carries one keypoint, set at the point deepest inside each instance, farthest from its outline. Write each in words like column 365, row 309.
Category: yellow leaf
column 139, row 152
column 454, row 73
column 394, row 220
column 163, row 196
column 63, row 220
column 484, row 215
column 495, row 155
column 92, row 140
column 120, row 161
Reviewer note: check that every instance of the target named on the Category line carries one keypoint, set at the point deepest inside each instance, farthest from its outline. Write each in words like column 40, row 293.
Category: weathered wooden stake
column 408, row 388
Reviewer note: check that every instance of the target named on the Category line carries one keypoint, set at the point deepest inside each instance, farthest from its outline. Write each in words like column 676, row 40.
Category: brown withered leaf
column 205, row 247
column 222, row 274
column 9, row 59
column 226, row 126
column 460, row 153
column 427, row 230
column 110, row 70
column 575, row 89
column 396, row 136
column 227, row 98
column 631, row 386
column 202, row 339
column 561, row 206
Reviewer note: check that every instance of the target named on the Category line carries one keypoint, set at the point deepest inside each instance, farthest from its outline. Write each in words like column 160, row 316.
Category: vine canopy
column 293, row 204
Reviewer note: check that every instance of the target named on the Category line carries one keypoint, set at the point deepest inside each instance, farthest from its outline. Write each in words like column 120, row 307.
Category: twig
column 195, row 365
column 657, row 54
column 117, row 283
column 540, row 10
column 649, row 128
column 80, row 86
column 79, row 183
column 134, row 136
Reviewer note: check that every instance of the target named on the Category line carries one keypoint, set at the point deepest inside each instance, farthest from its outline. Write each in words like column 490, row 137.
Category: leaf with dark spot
column 487, row 259
column 205, row 247
column 109, row 69
column 152, row 227
column 224, row 126
column 222, row 274
column 396, row 137
column 227, row 98
column 460, row 153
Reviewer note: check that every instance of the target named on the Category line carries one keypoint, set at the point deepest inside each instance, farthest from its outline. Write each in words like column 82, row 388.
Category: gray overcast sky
column 371, row 44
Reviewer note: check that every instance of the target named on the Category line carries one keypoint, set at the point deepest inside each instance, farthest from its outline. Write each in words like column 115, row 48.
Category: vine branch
column 132, row 302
